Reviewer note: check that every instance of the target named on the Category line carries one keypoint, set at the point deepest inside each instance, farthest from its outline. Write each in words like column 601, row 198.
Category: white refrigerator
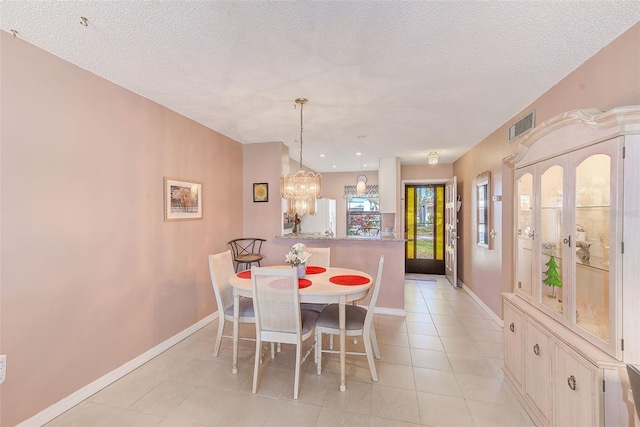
column 323, row 220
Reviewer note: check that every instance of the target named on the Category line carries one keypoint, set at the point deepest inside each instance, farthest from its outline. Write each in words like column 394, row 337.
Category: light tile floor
column 440, row 366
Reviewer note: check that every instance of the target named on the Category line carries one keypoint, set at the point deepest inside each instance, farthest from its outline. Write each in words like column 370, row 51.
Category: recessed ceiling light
column 321, row 155
column 334, row 166
column 358, row 154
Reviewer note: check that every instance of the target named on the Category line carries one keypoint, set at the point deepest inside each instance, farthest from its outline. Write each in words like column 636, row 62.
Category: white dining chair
column 221, row 268
column 279, row 318
column 320, row 257
column 358, row 321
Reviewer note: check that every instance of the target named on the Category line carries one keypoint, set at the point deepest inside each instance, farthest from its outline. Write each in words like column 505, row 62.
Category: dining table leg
column 342, row 324
column 236, row 321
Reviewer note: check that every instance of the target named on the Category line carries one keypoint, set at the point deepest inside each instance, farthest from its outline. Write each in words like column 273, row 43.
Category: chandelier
column 361, row 181
column 302, row 189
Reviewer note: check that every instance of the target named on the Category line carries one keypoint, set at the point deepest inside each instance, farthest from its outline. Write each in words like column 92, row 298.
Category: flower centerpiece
column 298, row 257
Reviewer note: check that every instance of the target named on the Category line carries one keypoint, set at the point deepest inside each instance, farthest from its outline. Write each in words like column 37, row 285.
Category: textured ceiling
column 410, row 77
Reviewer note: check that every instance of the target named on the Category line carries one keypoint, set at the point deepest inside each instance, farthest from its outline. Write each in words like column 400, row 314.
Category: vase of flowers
column 298, row 257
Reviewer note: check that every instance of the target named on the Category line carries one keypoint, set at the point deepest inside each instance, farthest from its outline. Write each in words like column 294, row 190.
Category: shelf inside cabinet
column 592, row 207
column 596, row 263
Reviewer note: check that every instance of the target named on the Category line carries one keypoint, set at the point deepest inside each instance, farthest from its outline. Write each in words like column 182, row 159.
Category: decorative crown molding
column 619, row 119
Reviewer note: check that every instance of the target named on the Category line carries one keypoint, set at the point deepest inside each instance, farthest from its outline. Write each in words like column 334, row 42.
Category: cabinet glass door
column 525, row 233
column 592, row 222
column 550, row 237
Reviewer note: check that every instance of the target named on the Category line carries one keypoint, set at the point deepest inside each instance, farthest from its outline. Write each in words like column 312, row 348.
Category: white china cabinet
column 572, row 322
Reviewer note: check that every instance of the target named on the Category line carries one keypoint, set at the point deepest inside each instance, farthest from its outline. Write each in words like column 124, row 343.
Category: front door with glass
column 424, row 229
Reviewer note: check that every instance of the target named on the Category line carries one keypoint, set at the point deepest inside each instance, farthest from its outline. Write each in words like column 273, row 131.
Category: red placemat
column 314, row 269
column 349, row 279
column 244, row 274
column 284, row 284
column 303, row 283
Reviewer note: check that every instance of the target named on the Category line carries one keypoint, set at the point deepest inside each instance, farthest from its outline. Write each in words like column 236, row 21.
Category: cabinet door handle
column 512, row 327
column 536, row 350
column 572, row 382
column 567, row 241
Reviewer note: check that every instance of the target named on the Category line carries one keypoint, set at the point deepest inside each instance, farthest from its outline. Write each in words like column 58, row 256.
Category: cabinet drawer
column 538, row 354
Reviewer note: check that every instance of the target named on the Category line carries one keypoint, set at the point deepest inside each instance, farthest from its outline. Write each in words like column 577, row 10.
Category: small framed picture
column 182, row 199
column 260, row 192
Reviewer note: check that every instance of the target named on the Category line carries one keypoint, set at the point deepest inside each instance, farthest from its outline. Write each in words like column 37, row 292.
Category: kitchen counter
column 303, row 236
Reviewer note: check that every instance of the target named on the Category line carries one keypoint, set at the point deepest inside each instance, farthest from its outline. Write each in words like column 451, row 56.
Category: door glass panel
column 425, row 219
column 551, row 184
column 592, row 216
column 410, row 223
column 438, row 224
column 524, row 216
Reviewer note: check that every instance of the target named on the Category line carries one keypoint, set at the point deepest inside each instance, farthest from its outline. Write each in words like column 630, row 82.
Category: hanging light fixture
column 432, row 158
column 302, row 189
column 361, row 181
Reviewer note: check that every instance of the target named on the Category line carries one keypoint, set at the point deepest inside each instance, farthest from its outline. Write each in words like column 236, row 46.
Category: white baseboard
column 486, row 308
column 78, row 396
column 390, row 311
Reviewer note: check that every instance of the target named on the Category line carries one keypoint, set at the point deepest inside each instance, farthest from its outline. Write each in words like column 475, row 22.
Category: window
column 363, row 212
column 483, row 213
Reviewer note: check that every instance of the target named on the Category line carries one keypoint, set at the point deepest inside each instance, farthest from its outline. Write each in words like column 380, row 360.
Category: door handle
column 571, row 381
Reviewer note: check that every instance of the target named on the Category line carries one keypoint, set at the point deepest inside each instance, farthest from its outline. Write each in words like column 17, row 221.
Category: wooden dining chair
column 220, row 269
column 246, row 251
column 279, row 318
column 359, row 322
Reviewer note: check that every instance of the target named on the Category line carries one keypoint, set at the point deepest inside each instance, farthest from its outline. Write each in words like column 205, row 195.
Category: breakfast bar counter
column 354, row 252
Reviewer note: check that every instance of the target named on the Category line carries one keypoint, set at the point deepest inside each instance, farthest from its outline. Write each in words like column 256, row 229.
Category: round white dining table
column 321, row 291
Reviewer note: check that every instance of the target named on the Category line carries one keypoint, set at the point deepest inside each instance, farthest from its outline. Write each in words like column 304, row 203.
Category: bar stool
column 246, row 251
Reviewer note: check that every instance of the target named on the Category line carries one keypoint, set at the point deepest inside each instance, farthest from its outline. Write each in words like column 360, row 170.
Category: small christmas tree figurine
column 552, row 277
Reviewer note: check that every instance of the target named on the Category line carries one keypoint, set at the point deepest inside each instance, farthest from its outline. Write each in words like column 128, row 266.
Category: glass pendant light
column 432, row 158
column 361, row 181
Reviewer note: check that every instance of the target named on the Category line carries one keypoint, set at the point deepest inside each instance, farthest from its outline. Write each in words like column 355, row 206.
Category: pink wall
column 413, row 173
column 91, row 274
column 262, row 163
column 608, row 79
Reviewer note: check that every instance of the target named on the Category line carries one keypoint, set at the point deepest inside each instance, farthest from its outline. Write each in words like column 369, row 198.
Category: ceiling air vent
column 522, row 126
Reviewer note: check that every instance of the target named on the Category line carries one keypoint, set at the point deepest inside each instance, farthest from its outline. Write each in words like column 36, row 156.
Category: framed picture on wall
column 182, row 199
column 260, row 192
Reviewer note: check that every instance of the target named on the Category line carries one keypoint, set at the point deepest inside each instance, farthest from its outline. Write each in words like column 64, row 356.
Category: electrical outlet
column 3, row 367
